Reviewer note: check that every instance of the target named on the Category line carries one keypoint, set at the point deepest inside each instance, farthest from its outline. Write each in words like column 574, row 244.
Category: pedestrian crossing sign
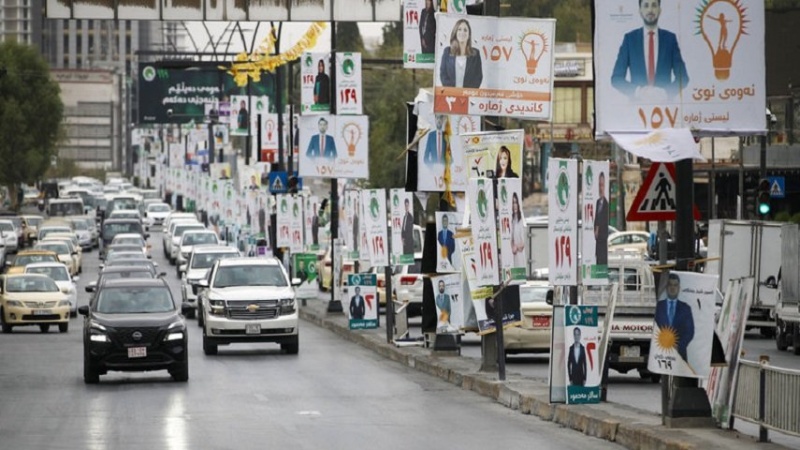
column 777, row 187
column 656, row 197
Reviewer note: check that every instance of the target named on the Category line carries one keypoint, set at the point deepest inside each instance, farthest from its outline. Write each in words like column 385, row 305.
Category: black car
column 121, row 272
column 133, row 326
column 113, row 227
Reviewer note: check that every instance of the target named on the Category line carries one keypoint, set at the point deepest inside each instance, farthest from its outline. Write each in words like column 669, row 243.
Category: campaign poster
column 268, row 127
column 305, row 269
column 334, row 146
column 680, row 64
column 352, row 218
column 684, row 325
column 362, row 308
column 594, row 257
column 419, row 33
column 240, row 115
column 448, row 257
column 562, row 226
column 220, row 171
column 558, row 367
column 374, row 212
column 447, row 291
column 296, row 223
column 221, row 135
column 402, row 215
column 489, row 66
column 349, row 100
column 730, row 329
column 283, row 221
column 226, row 214
column 484, row 230
column 315, row 84
column 581, row 354
column 311, row 223
column 493, row 154
column 512, row 229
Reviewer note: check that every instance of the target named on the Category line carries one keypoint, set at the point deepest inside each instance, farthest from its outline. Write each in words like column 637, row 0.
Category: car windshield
column 199, row 238
column 31, row 284
column 250, row 275
column 180, row 229
column 59, row 249
column 112, row 229
column 48, row 231
column 57, row 273
column 34, row 221
column 17, row 221
column 533, row 294
column 80, row 225
column 134, row 300
column 115, row 256
column 126, row 275
column 142, row 262
column 158, row 208
column 6, row 226
column 24, row 260
column 206, row 260
column 66, row 209
column 132, row 240
column 119, row 204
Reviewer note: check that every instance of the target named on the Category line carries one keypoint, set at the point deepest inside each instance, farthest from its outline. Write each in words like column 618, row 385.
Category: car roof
column 136, row 282
column 247, row 261
column 35, row 252
column 45, row 264
column 214, row 248
column 120, row 220
column 15, row 275
column 124, row 268
column 128, row 235
column 200, row 231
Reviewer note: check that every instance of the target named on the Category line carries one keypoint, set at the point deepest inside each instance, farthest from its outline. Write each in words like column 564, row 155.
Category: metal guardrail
column 769, row 397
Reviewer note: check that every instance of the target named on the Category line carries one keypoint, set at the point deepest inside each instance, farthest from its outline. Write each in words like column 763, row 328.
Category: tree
column 348, row 37
column 30, row 116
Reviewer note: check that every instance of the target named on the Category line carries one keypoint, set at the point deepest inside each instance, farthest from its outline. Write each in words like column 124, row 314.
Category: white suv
column 248, row 300
column 200, row 260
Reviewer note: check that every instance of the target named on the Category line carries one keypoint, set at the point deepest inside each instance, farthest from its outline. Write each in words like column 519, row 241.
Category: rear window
column 199, row 238
column 24, row 260
column 206, row 260
column 134, row 300
column 112, row 229
column 66, row 208
column 57, row 273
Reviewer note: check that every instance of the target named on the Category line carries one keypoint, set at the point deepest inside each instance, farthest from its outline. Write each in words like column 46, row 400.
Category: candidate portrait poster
column 489, row 66
column 334, row 146
column 267, row 124
column 447, row 293
column 352, row 219
column 448, row 256
column 493, row 154
column 562, row 226
column 362, row 304
column 315, row 83
column 311, row 223
column 220, row 171
column 484, row 231
column 283, row 221
column 296, row 223
column 594, row 257
column 684, row 325
column 402, row 215
column 304, row 268
column 706, row 72
column 419, row 33
column 240, row 115
column 512, row 229
column 349, row 100
column 374, row 206
column 582, row 356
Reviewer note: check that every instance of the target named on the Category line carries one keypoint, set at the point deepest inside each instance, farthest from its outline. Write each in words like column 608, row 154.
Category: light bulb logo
column 467, row 124
column 270, row 129
column 718, row 21
column 352, row 135
column 533, row 45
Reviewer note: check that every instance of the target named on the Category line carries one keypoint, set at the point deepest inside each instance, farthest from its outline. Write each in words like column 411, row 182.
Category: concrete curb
column 626, row 426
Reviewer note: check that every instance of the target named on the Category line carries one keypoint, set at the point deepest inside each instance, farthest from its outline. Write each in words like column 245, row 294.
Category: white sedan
column 59, row 273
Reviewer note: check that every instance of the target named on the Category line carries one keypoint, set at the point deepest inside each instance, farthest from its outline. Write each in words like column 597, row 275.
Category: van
column 60, row 207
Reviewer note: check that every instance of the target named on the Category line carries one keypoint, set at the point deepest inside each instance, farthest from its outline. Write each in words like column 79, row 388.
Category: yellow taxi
column 26, row 257
column 32, row 299
column 533, row 336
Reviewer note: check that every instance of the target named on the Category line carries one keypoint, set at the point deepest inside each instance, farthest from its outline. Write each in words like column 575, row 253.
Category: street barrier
column 767, row 396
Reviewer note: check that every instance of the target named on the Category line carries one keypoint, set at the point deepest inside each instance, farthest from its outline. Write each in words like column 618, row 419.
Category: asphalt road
column 333, row 395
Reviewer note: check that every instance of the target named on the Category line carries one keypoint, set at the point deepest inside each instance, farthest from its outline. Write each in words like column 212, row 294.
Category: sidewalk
column 627, row 426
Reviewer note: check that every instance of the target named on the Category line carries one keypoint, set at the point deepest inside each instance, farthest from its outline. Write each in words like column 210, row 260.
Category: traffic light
column 764, row 197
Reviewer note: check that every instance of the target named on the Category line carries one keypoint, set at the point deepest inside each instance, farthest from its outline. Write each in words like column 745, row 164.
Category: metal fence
column 769, row 397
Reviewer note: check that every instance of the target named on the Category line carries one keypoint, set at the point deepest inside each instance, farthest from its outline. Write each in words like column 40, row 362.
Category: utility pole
column 334, row 305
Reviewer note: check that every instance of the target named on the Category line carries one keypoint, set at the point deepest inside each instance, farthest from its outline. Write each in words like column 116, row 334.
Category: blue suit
column 682, row 323
column 670, row 73
column 313, row 147
column 447, row 240
column 431, row 156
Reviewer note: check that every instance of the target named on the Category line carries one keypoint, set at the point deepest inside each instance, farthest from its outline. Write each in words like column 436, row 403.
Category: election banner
column 304, row 268
column 489, row 66
column 283, row 221
column 296, row 223
column 680, row 64
column 447, row 291
column 419, row 33
column 484, row 230
column 373, row 202
column 268, row 127
column 594, row 257
column 402, row 214
column 448, row 258
column 363, row 301
column 334, row 146
column 349, row 100
column 581, row 354
column 352, row 229
column 315, row 84
column 493, row 154
column 512, row 229
column 562, row 226
column 220, row 171
column 240, row 115
column 684, row 325
column 311, row 223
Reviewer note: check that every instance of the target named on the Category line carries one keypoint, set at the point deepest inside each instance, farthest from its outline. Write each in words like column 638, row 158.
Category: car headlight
column 217, row 307
column 64, row 303
column 96, row 337
column 15, row 303
column 287, row 306
column 97, row 332
column 174, row 336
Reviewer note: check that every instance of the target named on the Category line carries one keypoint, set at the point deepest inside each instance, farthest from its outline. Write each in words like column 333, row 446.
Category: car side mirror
column 91, row 286
column 296, row 281
column 76, row 278
column 162, row 274
column 202, row 283
column 549, row 297
column 83, row 310
column 147, row 235
column 182, row 268
column 186, row 309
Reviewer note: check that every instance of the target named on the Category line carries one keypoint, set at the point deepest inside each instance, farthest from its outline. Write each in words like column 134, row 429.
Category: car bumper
column 523, row 340
column 160, row 356
column 16, row 315
column 225, row 331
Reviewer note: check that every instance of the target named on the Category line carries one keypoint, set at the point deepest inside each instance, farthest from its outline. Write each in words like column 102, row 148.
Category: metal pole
column 258, row 138
column 334, row 305
column 248, row 141
column 387, row 286
column 279, row 105
column 741, row 214
column 713, row 184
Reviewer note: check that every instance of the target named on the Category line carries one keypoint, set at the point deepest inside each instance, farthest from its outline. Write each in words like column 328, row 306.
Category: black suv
column 134, row 325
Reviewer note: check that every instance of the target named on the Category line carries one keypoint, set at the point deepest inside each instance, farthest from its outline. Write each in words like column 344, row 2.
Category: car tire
column 200, row 321
column 44, row 328
column 292, row 347
column 781, row 338
column 63, row 327
column 6, row 327
column 90, row 373
column 796, row 339
column 181, row 373
column 191, row 314
column 209, row 348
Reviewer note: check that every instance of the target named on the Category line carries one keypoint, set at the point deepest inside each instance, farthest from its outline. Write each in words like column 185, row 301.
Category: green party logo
column 575, row 314
column 260, row 105
column 483, row 202
column 373, row 206
column 309, row 60
column 284, row 206
column 562, row 188
column 348, row 66
column 311, row 268
column 589, row 176
column 149, row 73
column 396, row 201
column 295, row 210
column 214, row 188
column 503, row 194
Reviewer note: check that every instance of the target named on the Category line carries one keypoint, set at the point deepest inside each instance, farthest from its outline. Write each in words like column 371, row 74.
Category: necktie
column 671, row 311
column 322, row 145
column 651, row 60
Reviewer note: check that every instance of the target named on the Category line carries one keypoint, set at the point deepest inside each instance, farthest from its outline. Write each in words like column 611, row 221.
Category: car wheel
column 90, row 373
column 63, row 327
column 292, row 347
column 200, row 321
column 44, row 328
column 181, row 373
column 209, row 348
column 6, row 327
column 781, row 339
column 191, row 314
column 796, row 339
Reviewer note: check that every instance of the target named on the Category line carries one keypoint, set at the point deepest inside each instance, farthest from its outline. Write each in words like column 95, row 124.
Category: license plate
column 137, row 352
column 252, row 328
column 540, row 321
column 632, row 351
column 42, row 312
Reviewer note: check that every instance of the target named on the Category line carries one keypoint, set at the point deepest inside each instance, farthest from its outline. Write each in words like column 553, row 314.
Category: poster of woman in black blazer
column 461, row 63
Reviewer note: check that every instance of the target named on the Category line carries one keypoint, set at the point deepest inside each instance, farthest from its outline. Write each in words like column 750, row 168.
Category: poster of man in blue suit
column 649, row 63
column 322, row 144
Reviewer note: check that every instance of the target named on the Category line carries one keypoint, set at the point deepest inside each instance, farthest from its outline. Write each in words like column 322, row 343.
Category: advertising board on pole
column 363, row 301
column 562, row 226
column 315, row 83
column 594, row 257
column 334, row 146
column 349, row 99
column 374, row 206
column 402, row 210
